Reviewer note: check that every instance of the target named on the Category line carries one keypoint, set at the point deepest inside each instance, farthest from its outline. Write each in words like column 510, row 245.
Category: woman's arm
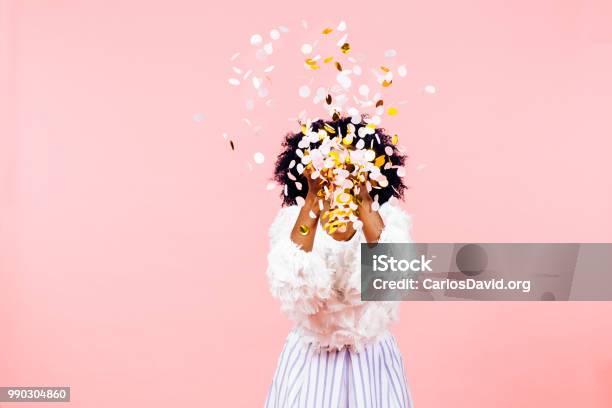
column 305, row 227
column 373, row 224
column 298, row 277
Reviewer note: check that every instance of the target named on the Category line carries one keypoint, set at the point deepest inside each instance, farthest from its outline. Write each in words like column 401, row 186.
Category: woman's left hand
column 373, row 224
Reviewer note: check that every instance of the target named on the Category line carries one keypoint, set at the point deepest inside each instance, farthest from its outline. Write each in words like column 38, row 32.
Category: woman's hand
column 305, row 226
column 373, row 224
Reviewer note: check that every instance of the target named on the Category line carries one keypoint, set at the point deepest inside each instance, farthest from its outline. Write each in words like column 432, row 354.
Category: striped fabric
column 372, row 378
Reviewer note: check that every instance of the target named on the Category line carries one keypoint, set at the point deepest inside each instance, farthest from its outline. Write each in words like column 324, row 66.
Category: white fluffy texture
column 320, row 290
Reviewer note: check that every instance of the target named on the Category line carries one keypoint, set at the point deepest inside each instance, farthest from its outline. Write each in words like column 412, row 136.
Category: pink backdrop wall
column 134, row 274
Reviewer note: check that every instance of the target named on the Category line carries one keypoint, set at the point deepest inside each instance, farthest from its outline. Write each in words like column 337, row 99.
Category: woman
column 340, row 353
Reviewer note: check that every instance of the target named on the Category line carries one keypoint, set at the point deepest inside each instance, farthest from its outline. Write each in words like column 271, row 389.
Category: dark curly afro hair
column 377, row 142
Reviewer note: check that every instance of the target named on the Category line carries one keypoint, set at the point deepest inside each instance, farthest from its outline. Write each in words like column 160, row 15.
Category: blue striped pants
column 372, row 378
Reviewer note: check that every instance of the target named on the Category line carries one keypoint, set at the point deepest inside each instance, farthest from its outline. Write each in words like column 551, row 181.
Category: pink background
column 131, row 271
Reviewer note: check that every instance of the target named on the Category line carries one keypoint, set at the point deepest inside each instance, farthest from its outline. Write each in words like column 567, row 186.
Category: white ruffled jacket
column 320, row 290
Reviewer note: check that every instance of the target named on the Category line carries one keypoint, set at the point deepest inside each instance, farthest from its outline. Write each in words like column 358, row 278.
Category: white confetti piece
column 401, row 70
column 305, row 24
column 306, row 49
column 233, row 81
column 224, row 136
column 198, row 117
column 233, row 57
column 299, row 200
column 390, row 53
column 312, row 215
column 258, row 158
column 357, row 70
column 364, row 90
column 401, row 172
column 256, row 82
column 270, row 186
column 283, row 29
column 430, row 89
column 274, row 34
column 262, row 92
column 268, row 49
column 341, row 26
column 344, row 80
column 256, row 39
column 269, row 68
column 304, row 91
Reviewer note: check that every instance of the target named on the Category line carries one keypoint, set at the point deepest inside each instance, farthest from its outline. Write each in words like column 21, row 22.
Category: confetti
column 430, row 89
column 256, row 39
column 304, row 91
column 342, row 160
column 198, row 117
column 344, row 80
column 306, row 49
column 258, row 158
column 364, row 90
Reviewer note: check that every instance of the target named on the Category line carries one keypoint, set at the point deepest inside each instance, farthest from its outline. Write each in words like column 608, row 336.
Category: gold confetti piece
column 310, row 61
column 392, row 111
column 328, row 59
column 338, row 66
column 304, row 129
column 304, row 230
column 347, row 141
column 380, row 161
column 384, row 69
column 343, row 198
column 327, row 31
column 313, row 67
column 379, row 103
column 328, row 99
column 336, row 116
column 232, row 145
column 329, row 129
column 345, row 48
column 386, row 83
column 394, row 139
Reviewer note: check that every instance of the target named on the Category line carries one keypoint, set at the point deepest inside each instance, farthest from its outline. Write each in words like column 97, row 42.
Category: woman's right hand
column 308, row 219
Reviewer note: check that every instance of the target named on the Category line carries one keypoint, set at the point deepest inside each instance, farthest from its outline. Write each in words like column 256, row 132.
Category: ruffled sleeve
column 300, row 280
column 397, row 224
